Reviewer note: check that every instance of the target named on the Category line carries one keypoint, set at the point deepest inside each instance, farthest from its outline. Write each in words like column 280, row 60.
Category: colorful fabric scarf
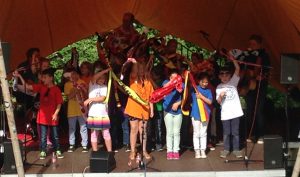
column 129, row 91
column 185, row 111
column 203, row 112
column 160, row 93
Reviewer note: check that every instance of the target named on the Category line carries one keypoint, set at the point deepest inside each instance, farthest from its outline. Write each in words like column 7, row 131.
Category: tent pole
column 10, row 116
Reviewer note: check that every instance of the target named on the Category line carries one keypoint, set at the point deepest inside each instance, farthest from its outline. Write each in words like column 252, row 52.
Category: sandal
column 146, row 155
column 132, row 155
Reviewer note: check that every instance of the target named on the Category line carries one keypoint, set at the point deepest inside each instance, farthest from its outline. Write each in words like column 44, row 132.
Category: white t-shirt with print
column 96, row 108
column 231, row 106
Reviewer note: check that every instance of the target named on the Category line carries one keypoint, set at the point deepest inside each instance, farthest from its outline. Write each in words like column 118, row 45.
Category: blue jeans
column 231, row 127
column 125, row 128
column 154, row 130
column 72, row 129
column 158, row 118
column 54, row 136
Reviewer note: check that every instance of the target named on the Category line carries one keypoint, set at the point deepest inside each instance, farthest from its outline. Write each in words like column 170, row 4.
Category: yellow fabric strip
column 129, row 91
column 108, row 88
column 185, row 95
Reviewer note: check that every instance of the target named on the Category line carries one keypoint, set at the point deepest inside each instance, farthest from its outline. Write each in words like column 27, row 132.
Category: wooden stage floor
column 77, row 162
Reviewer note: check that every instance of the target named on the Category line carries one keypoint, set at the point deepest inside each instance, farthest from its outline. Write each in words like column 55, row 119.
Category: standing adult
column 259, row 76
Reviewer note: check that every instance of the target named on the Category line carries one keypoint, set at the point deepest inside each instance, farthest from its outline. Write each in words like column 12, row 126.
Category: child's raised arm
column 237, row 67
column 26, row 85
column 235, row 63
column 99, row 74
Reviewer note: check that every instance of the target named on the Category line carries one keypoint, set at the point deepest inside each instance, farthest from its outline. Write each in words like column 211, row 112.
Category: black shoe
column 127, row 148
column 159, row 147
column 71, row 148
column 59, row 155
column 85, row 149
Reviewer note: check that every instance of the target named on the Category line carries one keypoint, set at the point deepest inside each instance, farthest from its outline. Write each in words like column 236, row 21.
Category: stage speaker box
column 273, row 152
column 9, row 166
column 102, row 162
column 6, row 53
column 290, row 64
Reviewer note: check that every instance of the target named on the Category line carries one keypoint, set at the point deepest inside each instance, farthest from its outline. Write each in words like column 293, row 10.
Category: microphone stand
column 286, row 154
column 142, row 165
column 25, row 150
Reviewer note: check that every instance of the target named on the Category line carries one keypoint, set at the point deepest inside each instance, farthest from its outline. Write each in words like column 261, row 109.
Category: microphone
column 29, row 128
column 223, row 98
column 15, row 84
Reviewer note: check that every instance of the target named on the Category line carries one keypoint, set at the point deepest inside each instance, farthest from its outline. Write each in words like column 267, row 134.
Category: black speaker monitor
column 102, row 162
column 9, row 166
column 273, row 152
column 290, row 64
column 6, row 54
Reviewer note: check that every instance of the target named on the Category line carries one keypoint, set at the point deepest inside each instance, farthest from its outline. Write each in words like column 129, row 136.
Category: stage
column 77, row 164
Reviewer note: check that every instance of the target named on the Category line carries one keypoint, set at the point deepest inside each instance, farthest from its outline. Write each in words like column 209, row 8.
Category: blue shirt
column 170, row 99
column 195, row 110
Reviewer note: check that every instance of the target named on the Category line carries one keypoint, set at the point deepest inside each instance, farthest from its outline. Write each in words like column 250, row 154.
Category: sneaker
column 260, row 141
column 211, row 147
column 197, row 154
column 176, row 155
column 159, row 148
column 169, row 155
column 203, row 154
column 238, row 154
column 71, row 148
column 43, row 155
column 249, row 140
column 59, row 155
column 127, row 148
column 224, row 153
column 85, row 149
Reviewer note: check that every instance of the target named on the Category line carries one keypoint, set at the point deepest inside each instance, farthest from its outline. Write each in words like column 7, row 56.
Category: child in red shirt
column 50, row 104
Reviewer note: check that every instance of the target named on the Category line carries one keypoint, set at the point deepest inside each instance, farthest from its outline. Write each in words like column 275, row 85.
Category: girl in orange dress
column 140, row 83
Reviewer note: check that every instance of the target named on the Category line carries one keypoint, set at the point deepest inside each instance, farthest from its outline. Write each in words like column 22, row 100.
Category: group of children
column 76, row 89
column 231, row 111
column 91, row 97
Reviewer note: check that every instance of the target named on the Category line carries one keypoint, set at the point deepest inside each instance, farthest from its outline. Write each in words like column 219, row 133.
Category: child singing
column 173, row 119
column 138, row 113
column 50, row 104
column 98, row 119
column 231, row 109
column 199, row 127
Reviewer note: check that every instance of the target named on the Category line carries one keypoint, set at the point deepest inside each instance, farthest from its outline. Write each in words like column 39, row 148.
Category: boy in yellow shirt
column 76, row 91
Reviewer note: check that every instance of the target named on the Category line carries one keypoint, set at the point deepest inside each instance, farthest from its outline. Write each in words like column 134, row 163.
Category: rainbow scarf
column 203, row 112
